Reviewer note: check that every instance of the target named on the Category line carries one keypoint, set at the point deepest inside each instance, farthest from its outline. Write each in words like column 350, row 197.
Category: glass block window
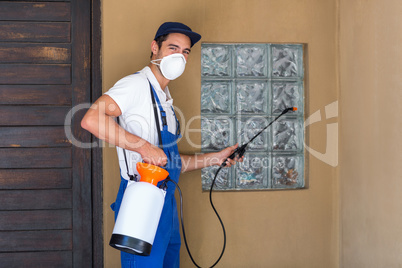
column 243, row 88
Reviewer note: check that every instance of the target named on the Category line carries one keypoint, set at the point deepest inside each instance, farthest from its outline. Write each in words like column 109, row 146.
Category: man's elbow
column 84, row 124
column 88, row 123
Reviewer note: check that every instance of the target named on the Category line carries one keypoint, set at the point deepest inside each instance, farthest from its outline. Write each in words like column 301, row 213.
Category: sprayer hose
column 216, row 212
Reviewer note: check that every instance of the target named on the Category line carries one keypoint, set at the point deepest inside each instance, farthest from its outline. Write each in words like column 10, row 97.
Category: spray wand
column 242, row 149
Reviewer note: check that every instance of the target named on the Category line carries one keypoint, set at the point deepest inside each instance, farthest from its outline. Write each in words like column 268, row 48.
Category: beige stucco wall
column 265, row 229
column 371, row 127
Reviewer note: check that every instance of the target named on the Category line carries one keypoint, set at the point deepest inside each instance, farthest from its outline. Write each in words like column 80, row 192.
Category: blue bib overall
column 166, row 247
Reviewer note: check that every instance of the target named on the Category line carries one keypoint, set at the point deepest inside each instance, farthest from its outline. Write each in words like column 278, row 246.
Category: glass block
column 243, row 87
column 287, row 134
column 251, row 97
column 251, row 61
column 285, row 95
column 285, row 61
column 216, row 97
column 222, row 181
column 216, row 133
column 252, row 172
column 287, row 171
column 216, row 61
column 248, row 127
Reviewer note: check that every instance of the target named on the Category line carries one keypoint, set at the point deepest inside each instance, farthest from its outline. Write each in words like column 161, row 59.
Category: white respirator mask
column 171, row 66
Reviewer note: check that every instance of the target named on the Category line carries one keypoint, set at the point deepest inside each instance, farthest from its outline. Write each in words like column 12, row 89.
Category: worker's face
column 175, row 43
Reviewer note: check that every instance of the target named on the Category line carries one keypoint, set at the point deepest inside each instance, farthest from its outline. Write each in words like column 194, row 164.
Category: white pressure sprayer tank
column 140, row 211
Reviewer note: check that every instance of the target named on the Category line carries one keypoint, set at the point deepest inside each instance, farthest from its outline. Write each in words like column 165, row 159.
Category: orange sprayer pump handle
column 150, row 173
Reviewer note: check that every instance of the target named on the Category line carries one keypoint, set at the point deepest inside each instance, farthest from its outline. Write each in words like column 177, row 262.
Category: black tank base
column 130, row 245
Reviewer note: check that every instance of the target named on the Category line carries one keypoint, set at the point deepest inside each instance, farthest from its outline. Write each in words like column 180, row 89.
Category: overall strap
column 163, row 114
column 178, row 132
column 132, row 177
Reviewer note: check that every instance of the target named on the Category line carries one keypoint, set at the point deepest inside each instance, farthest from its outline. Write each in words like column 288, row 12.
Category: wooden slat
column 96, row 157
column 32, row 115
column 35, row 11
column 35, row 220
column 35, row 158
column 35, row 179
column 35, row 199
column 33, row 137
column 82, row 212
column 35, row 240
column 53, row 32
column 46, row 259
column 35, row 74
column 35, row 94
column 35, row 53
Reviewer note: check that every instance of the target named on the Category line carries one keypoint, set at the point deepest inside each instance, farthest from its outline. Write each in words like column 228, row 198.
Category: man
column 130, row 100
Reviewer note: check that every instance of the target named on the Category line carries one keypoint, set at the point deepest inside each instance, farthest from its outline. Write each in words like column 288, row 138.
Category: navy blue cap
column 177, row 27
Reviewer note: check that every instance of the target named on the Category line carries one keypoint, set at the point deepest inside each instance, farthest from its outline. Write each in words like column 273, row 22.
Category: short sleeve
column 128, row 92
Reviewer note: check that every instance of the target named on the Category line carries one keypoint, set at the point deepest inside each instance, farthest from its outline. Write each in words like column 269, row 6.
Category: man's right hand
column 153, row 155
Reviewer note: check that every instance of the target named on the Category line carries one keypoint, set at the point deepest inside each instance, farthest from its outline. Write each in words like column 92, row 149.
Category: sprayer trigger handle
column 242, row 150
column 232, row 156
column 239, row 152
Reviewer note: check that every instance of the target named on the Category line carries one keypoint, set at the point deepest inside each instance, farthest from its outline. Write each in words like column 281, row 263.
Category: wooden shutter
column 45, row 180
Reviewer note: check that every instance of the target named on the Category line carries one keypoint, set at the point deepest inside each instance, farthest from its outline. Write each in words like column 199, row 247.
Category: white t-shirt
column 132, row 95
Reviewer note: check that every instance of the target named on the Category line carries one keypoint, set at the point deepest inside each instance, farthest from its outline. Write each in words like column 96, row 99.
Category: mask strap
column 154, row 61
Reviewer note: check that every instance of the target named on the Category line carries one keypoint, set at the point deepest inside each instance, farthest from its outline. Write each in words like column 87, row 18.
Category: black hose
column 216, row 212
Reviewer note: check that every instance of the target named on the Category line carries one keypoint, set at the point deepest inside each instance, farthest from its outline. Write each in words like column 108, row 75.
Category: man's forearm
column 198, row 161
